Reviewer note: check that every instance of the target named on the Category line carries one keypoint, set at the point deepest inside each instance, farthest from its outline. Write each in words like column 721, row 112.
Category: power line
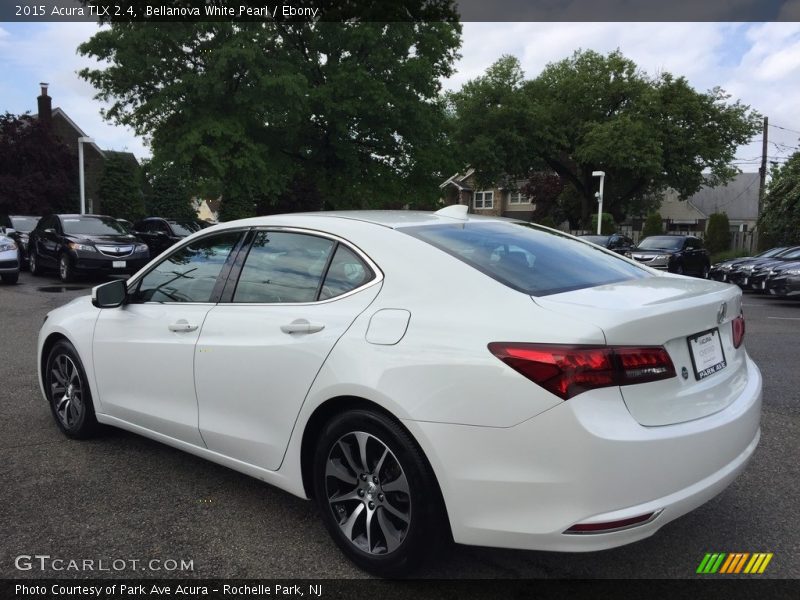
column 784, row 128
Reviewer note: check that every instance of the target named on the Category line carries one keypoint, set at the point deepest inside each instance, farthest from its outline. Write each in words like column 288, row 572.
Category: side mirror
column 111, row 294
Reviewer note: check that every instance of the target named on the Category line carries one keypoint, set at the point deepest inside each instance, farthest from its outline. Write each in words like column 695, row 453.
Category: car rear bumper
column 586, row 460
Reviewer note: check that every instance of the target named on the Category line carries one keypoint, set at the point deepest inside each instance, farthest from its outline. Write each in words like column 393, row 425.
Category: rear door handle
column 182, row 325
column 302, row 326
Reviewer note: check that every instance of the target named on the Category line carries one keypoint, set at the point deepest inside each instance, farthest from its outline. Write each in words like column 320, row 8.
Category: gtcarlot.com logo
column 45, row 562
column 734, row 563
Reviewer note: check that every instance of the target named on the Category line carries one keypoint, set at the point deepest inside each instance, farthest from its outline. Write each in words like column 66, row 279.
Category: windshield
column 661, row 243
column 527, row 258
column 600, row 240
column 93, row 226
column 791, row 255
column 771, row 252
column 183, row 228
column 24, row 224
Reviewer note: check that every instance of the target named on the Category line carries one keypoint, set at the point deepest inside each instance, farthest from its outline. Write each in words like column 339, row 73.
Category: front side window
column 526, row 258
column 484, row 200
column 283, row 267
column 190, row 273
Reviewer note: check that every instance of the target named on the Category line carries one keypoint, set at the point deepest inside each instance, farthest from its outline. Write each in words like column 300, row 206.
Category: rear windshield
column 183, row 228
column 26, row 224
column 535, row 261
column 93, row 226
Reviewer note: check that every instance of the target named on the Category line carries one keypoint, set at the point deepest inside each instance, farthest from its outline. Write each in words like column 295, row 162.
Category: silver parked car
column 9, row 260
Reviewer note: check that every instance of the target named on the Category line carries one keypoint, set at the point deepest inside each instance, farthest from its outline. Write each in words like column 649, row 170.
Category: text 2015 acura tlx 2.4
column 423, row 377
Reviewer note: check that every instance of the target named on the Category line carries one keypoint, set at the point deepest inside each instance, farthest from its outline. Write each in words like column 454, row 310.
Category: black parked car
column 682, row 254
column 159, row 234
column 753, row 277
column 84, row 244
column 616, row 242
column 721, row 271
column 18, row 228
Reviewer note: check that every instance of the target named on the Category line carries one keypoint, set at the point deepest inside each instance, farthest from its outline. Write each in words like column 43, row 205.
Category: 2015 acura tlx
column 423, row 376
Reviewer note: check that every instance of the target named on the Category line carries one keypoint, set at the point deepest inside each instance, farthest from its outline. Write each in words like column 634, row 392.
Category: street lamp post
column 81, row 141
column 602, row 176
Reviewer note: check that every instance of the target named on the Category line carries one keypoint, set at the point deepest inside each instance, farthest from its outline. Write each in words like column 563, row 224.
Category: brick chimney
column 45, row 106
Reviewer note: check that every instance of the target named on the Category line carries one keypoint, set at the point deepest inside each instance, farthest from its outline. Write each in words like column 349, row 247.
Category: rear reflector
column 609, row 526
column 567, row 371
column 737, row 325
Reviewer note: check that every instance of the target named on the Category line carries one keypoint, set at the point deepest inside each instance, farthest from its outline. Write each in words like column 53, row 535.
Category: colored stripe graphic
column 734, row 562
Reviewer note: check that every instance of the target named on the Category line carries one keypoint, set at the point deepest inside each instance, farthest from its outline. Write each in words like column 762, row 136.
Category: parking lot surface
column 123, row 497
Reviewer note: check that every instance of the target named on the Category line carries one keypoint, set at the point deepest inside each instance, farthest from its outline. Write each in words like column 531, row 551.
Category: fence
column 740, row 240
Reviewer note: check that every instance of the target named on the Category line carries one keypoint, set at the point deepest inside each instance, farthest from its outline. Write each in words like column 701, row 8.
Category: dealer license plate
column 119, row 264
column 706, row 351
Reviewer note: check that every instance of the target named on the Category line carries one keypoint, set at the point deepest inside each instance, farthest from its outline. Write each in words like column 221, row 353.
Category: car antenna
column 454, row 211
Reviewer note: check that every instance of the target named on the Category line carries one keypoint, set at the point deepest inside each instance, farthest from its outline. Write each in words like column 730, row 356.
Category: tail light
column 737, row 326
column 567, row 371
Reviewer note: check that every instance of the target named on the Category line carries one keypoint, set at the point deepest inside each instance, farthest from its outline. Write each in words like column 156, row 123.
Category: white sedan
column 423, row 377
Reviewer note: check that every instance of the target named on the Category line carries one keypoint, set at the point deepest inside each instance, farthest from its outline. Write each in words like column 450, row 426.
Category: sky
column 758, row 63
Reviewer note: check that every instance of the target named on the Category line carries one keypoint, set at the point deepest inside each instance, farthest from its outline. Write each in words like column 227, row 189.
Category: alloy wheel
column 368, row 493
column 66, row 391
column 63, row 268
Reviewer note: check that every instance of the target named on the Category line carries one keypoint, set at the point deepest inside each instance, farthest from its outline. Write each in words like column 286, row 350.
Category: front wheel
column 68, row 392
column 706, row 271
column 678, row 269
column 65, row 269
column 33, row 264
column 377, row 494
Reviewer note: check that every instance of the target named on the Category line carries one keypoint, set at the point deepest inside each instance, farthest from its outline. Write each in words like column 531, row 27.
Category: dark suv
column 682, row 254
column 84, row 244
column 159, row 234
column 617, row 242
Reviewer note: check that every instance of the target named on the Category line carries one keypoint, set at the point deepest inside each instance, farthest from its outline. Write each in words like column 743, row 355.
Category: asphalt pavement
column 137, row 508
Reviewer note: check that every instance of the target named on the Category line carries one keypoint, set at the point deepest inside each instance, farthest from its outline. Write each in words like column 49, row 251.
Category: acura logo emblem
column 723, row 310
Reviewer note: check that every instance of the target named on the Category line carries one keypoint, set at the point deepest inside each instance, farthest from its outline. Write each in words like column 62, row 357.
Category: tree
column 779, row 224
column 652, row 225
column 593, row 112
column 37, row 172
column 607, row 226
column 168, row 193
column 120, row 187
column 346, row 113
column 718, row 233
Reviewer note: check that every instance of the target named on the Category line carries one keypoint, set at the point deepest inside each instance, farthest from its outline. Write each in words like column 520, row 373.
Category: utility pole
column 763, row 170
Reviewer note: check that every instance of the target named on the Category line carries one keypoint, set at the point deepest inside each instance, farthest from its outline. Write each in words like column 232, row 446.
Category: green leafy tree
column 779, row 224
column 120, row 188
column 718, row 233
column 168, row 194
column 607, row 227
column 344, row 114
column 37, row 172
column 594, row 112
column 652, row 225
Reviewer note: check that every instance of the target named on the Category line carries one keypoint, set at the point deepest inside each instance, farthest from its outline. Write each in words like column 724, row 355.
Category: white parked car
column 9, row 260
column 423, row 376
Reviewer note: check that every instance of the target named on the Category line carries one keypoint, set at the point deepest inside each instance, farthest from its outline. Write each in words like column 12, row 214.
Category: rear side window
column 346, row 273
column 535, row 261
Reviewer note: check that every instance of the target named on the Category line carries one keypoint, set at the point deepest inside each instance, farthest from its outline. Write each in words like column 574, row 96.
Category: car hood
column 103, row 239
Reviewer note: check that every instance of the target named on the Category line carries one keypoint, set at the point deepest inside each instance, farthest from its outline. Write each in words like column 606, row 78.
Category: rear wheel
column 377, row 494
column 68, row 392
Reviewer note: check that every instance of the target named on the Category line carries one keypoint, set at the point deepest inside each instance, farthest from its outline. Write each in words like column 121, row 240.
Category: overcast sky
column 758, row 63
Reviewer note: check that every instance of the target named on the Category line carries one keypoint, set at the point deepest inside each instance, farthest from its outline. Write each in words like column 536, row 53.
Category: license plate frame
column 706, row 360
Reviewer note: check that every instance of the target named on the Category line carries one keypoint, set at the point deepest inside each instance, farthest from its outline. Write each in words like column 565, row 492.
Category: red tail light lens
column 738, row 331
column 567, row 371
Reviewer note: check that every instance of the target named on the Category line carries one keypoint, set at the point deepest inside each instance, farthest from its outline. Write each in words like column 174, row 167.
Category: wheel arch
column 50, row 341
column 335, row 406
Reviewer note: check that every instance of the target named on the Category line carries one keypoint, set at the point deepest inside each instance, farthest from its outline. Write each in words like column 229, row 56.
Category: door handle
column 182, row 325
column 302, row 326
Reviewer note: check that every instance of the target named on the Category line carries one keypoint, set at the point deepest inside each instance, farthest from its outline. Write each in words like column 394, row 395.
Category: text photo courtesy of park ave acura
column 306, row 303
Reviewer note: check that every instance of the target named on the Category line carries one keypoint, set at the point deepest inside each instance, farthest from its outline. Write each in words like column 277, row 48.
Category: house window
column 483, row 200
column 518, row 198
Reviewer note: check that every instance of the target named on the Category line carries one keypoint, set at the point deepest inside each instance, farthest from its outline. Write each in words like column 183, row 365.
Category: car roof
column 385, row 218
column 78, row 216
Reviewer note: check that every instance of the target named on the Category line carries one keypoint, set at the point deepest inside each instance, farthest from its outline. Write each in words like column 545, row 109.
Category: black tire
column 11, row 278
column 33, row 264
column 678, row 269
column 421, row 530
column 705, row 272
column 23, row 262
column 70, row 402
column 66, row 271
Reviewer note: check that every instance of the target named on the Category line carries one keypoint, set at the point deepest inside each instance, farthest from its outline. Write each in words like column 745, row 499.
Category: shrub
column 608, row 226
column 718, row 233
column 652, row 226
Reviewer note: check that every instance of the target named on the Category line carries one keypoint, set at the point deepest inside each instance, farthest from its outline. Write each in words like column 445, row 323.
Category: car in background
column 751, row 276
column 9, row 260
column 18, row 228
column 681, row 254
column 569, row 400
column 617, row 242
column 784, row 281
column 723, row 270
column 74, row 244
column 159, row 233
column 126, row 224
